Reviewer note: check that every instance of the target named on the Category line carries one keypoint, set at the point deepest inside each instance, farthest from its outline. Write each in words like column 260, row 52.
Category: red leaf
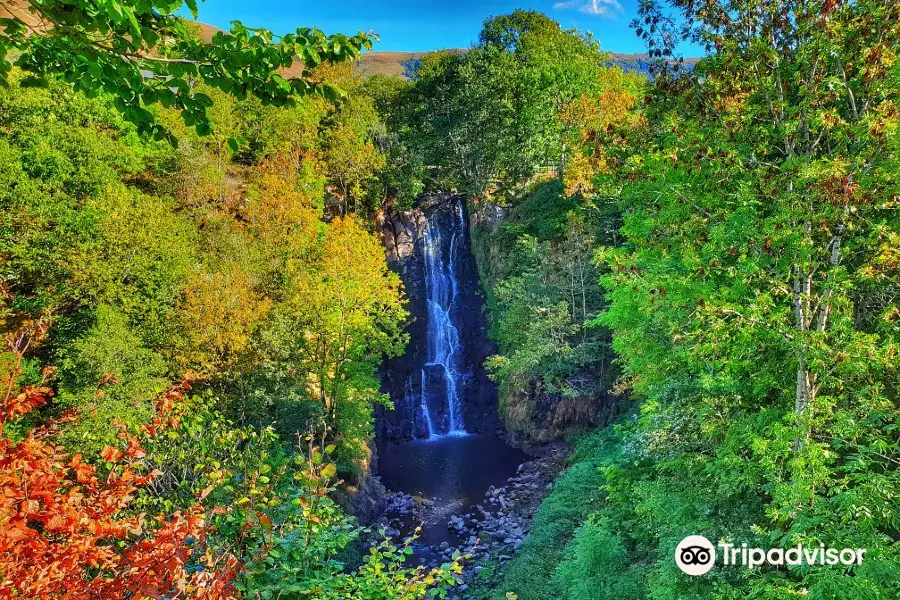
column 110, row 454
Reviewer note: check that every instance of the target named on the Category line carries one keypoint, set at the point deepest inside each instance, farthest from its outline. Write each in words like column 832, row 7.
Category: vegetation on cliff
column 528, row 103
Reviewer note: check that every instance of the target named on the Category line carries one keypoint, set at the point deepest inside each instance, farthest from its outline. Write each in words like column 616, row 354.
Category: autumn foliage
column 65, row 526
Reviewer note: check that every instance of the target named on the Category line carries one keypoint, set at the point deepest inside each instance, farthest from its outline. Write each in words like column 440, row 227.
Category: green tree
column 548, row 355
column 752, row 299
column 494, row 114
column 445, row 116
column 352, row 161
column 749, row 304
column 340, row 315
column 552, row 68
column 402, row 178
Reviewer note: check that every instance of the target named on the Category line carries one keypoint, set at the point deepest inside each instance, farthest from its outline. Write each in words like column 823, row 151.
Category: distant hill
column 391, row 63
column 18, row 9
column 395, row 63
column 641, row 62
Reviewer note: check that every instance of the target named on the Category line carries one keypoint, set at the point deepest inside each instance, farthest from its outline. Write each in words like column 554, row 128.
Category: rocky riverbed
column 486, row 534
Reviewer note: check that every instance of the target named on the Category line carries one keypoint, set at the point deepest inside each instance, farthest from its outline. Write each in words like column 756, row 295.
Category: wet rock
column 489, row 533
column 403, row 237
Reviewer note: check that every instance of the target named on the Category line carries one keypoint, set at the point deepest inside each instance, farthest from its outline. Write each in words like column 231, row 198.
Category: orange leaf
column 112, row 455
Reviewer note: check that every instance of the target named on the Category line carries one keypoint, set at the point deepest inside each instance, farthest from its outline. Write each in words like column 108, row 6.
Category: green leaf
column 34, row 81
column 203, row 128
column 192, row 6
column 281, row 82
column 202, row 100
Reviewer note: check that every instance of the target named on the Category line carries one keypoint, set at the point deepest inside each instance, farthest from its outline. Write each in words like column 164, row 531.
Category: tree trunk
column 808, row 320
column 804, row 392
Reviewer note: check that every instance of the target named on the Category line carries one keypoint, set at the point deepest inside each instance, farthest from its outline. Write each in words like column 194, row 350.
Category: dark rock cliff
column 403, row 234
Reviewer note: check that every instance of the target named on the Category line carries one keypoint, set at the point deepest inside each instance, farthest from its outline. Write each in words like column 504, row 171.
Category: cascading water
column 439, row 387
column 426, row 414
column 440, row 439
column 443, row 347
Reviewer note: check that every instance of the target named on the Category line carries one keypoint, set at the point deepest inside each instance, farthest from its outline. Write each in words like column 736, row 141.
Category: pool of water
column 455, row 470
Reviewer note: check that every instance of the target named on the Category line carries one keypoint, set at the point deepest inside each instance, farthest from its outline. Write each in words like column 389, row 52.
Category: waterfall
column 439, row 386
column 423, row 398
column 417, row 408
column 442, row 344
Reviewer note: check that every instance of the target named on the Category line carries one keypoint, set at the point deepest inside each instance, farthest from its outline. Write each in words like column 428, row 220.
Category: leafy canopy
column 143, row 53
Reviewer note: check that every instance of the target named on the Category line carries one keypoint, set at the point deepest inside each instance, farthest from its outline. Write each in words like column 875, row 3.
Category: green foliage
column 552, row 368
column 403, row 176
column 753, row 309
column 287, row 313
column 492, row 115
column 596, row 567
column 108, row 374
column 544, row 212
column 79, row 245
column 754, row 234
column 351, row 156
column 270, row 507
column 576, row 494
column 143, row 54
column 234, row 252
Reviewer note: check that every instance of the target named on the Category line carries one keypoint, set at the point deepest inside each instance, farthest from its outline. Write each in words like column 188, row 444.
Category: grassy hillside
column 394, row 63
column 391, row 63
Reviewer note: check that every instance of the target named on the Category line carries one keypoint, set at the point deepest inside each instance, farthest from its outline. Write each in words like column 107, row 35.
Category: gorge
column 245, row 357
column 442, row 441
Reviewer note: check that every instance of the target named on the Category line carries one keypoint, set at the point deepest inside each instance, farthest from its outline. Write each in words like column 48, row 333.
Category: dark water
column 449, row 467
column 455, row 470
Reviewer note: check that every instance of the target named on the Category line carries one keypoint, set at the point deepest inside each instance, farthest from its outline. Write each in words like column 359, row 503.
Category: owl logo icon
column 695, row 555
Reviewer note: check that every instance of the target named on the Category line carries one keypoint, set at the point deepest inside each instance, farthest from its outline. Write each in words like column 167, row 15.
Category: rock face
column 437, row 230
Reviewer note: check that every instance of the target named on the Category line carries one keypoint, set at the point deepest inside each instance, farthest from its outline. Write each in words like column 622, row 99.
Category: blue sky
column 414, row 26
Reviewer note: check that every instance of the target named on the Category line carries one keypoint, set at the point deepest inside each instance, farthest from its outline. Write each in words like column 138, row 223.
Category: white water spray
column 442, row 336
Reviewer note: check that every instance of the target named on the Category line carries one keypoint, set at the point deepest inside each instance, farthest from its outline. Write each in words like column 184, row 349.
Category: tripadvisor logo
column 696, row 555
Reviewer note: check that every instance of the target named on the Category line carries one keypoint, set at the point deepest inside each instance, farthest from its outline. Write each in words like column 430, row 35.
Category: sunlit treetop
column 142, row 53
